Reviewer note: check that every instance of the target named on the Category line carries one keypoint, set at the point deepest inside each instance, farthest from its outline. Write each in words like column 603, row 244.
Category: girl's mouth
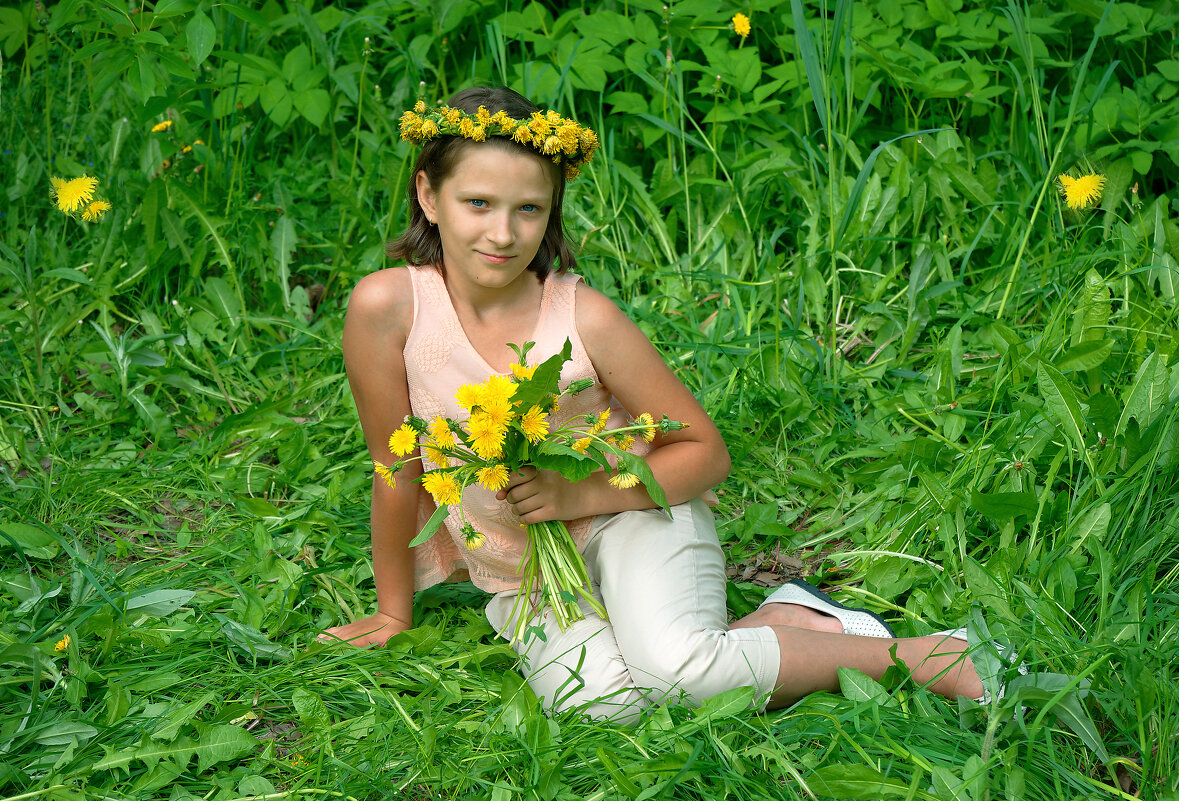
column 494, row 258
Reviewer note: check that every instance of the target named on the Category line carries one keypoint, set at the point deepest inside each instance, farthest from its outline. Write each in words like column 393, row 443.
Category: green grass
column 944, row 392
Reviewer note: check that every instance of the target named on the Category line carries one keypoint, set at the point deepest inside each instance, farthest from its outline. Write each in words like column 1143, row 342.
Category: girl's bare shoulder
column 598, row 316
column 383, row 299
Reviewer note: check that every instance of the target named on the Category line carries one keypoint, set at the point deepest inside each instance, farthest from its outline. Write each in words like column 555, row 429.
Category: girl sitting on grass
column 487, row 265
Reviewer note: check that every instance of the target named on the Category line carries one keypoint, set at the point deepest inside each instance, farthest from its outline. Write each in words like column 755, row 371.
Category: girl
column 485, row 231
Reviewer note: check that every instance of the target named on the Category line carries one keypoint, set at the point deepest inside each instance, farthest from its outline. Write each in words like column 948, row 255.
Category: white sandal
column 859, row 622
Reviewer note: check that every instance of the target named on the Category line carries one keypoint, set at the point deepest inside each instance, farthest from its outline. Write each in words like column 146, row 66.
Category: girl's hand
column 372, row 630
column 540, row 495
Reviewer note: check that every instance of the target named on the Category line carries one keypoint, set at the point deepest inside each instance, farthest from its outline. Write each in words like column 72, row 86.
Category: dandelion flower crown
column 547, row 132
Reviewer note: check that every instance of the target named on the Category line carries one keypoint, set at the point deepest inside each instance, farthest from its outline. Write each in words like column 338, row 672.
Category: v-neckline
column 544, row 297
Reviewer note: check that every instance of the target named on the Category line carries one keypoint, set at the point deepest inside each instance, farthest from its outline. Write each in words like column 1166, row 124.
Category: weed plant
column 946, row 393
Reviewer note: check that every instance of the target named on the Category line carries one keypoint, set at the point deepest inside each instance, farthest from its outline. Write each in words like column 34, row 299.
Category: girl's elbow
column 721, row 463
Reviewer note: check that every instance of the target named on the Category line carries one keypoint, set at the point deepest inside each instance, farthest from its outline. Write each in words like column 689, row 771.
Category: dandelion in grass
column 70, row 195
column 741, row 25
column 385, row 473
column 94, row 210
column 161, row 126
column 62, row 644
column 1080, row 193
column 403, row 440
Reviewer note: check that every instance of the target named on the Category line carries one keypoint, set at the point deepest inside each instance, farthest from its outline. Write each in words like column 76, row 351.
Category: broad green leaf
column 1147, row 394
column 221, row 743
column 252, row 641
column 158, row 603
column 1093, row 524
column 431, row 526
column 638, row 465
column 180, row 716
column 544, row 381
column 986, row 590
column 1085, row 355
column 1040, row 689
column 858, row 686
column 725, row 705
column 860, row 783
column 1062, row 403
column 313, row 104
column 1001, row 506
column 34, row 542
column 202, row 35
column 282, row 245
column 62, row 733
column 170, row 8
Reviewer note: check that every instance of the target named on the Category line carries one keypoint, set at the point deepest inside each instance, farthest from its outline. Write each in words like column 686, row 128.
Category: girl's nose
column 500, row 231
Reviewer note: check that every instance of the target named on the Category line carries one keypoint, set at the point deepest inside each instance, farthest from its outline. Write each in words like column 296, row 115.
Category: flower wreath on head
column 546, row 132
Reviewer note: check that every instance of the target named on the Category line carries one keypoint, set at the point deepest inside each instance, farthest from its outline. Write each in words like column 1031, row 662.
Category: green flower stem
column 550, row 569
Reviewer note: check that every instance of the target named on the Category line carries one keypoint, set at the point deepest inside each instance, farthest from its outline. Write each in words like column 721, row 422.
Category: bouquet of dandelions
column 510, row 428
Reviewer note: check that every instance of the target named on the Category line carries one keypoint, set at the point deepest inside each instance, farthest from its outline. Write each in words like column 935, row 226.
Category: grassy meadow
column 947, row 394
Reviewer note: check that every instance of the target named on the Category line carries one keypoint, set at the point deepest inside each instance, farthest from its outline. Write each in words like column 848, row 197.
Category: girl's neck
column 493, row 317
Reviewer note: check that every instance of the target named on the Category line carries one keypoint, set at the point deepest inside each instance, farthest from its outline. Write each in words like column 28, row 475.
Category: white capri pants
column 663, row 584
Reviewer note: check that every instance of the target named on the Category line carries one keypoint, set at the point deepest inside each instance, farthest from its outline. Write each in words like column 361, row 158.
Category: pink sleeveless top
column 438, row 360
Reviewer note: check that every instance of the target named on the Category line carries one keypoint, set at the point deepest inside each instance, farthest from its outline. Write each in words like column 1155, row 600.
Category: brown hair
column 421, row 244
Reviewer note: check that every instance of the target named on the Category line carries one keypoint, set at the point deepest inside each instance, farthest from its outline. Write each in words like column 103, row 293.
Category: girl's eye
column 478, row 203
column 528, row 207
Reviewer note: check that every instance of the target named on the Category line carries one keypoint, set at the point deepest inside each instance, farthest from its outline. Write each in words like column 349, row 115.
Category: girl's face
column 492, row 213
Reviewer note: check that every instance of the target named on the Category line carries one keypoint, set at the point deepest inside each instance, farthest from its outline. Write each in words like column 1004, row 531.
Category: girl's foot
column 838, row 618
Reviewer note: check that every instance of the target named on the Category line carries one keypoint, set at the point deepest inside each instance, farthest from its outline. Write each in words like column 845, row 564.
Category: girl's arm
column 685, row 462
column 380, row 314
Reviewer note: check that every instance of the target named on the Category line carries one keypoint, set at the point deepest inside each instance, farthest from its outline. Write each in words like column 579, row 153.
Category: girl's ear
column 426, row 197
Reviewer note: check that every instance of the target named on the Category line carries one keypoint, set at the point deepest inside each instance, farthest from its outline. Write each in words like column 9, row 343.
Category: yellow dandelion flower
column 62, row 644
column 452, row 115
column 487, row 438
column 420, row 107
column 94, row 211
column 441, row 436
column 556, row 403
column 582, row 444
column 1080, row 193
column 474, row 538
column 69, row 195
column 625, row 443
column 600, row 423
column 500, row 388
column 161, row 126
column 493, row 477
column 648, row 424
column 470, row 395
column 403, row 440
column 623, row 480
column 552, row 144
column 499, row 412
column 741, row 25
column 436, row 456
column 535, row 424
column 442, row 488
column 482, row 116
column 385, row 473
column 571, row 172
column 467, row 128
column 523, row 372
column 522, row 135
column 428, row 128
